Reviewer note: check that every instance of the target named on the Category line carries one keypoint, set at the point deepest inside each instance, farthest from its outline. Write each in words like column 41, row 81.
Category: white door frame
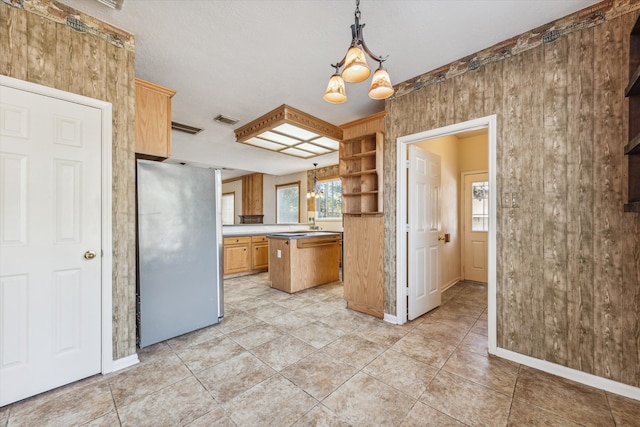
column 106, row 205
column 489, row 122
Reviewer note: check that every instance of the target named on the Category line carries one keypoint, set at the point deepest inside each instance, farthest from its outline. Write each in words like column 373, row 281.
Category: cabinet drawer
column 258, row 239
column 237, row 240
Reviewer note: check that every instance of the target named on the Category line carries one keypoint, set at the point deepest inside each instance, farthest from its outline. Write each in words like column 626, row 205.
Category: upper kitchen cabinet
column 153, row 120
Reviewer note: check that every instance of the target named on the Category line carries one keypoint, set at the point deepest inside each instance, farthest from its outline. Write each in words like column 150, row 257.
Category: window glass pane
column 287, row 203
column 228, row 204
column 329, row 205
column 480, row 206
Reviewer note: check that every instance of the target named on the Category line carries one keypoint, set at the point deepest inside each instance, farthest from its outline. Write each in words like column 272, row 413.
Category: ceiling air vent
column 115, row 4
column 225, row 120
column 185, row 128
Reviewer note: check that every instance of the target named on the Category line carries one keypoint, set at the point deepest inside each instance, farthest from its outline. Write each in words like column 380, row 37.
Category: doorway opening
column 486, row 126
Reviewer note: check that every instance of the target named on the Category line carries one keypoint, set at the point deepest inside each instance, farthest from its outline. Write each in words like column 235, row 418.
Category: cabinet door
column 260, row 256
column 153, row 120
column 236, row 259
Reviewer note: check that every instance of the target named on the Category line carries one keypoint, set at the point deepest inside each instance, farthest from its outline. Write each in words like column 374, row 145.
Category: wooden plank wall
column 568, row 277
column 39, row 50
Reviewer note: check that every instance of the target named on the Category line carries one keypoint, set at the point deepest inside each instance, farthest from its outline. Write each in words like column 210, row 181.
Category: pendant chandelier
column 356, row 70
column 314, row 193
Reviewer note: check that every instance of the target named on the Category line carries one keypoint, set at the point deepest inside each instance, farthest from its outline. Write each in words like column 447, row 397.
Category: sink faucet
column 313, row 225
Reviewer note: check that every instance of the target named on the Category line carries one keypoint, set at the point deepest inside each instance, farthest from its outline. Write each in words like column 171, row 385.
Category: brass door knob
column 441, row 238
column 89, row 255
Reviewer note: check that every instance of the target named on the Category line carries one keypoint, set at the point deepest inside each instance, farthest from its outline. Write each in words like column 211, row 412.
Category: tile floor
column 305, row 360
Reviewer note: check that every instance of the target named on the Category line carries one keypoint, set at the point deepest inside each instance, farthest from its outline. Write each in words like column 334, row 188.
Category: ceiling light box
column 289, row 131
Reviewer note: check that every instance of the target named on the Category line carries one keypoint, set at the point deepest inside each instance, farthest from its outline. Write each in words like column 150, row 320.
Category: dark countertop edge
column 308, row 235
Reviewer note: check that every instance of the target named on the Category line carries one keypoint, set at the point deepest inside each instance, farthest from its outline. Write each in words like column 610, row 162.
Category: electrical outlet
column 506, row 200
column 515, row 200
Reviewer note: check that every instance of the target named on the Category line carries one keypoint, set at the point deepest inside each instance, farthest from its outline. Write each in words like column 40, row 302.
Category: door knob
column 441, row 238
column 89, row 255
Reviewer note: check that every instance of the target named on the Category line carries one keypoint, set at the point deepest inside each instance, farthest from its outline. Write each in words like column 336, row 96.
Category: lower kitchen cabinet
column 259, row 253
column 237, row 255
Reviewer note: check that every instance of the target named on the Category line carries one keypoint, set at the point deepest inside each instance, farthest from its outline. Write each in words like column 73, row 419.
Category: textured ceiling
column 243, row 58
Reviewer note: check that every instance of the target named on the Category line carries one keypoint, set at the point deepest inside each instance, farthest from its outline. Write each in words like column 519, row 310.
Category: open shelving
column 632, row 149
column 361, row 174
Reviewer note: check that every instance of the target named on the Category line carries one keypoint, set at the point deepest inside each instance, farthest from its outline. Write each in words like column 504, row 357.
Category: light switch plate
column 279, row 253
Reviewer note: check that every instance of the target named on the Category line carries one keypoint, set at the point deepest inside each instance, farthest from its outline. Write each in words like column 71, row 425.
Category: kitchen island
column 302, row 260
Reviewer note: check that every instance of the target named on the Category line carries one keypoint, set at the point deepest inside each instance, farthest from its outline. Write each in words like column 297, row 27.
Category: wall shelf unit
column 361, row 174
column 632, row 149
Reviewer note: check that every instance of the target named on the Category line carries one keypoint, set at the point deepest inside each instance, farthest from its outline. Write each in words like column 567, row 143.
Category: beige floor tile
column 250, row 303
column 481, row 327
column 426, row 350
column 155, row 352
column 588, row 405
column 319, row 310
column 344, row 320
column 146, row 378
column 626, row 412
column 295, row 302
column 526, row 414
column 475, row 343
column 268, row 311
column 451, row 320
column 318, row 374
column 442, row 332
column 366, row 401
column 422, row 415
column 236, row 375
column 274, row 402
column 401, row 372
column 466, row 401
column 290, row 321
column 70, row 405
column 108, row 420
column 235, row 321
column 210, row 353
column 283, row 351
column 493, row 372
column 381, row 332
column 317, row 334
column 354, row 350
column 193, row 338
column 458, row 306
column 212, row 420
column 178, row 404
column 255, row 335
column 321, row 416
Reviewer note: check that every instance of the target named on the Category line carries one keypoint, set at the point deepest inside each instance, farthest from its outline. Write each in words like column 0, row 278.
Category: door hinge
column 407, row 164
column 407, row 228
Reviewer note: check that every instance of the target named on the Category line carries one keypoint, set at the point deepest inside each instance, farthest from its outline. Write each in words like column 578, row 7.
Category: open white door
column 50, row 243
column 476, row 226
column 424, row 232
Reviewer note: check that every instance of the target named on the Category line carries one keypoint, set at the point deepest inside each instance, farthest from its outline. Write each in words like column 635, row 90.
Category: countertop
column 302, row 234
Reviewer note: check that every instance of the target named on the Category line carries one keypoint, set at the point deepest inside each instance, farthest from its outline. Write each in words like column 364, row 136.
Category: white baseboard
column 391, row 318
column 125, row 362
column 571, row 374
column 450, row 284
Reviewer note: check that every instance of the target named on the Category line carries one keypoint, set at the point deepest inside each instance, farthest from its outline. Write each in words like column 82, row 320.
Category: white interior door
column 50, row 243
column 424, row 232
column 476, row 226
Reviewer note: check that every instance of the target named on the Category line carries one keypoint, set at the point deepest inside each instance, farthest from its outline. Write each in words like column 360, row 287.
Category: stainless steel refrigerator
column 179, row 248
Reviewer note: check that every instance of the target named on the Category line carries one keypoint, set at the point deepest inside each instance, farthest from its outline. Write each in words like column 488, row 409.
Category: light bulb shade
column 355, row 69
column 335, row 93
column 380, row 85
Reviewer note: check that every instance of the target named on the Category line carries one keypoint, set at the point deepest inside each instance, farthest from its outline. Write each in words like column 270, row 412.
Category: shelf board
column 359, row 156
column 628, row 207
column 633, row 147
column 367, row 172
column 361, row 193
column 634, row 84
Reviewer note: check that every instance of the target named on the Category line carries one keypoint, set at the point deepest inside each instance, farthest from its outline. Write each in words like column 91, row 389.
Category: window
column 480, row 206
column 288, row 203
column 228, row 207
column 329, row 206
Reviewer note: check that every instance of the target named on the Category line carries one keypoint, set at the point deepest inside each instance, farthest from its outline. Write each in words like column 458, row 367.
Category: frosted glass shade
column 335, row 92
column 355, row 69
column 380, row 85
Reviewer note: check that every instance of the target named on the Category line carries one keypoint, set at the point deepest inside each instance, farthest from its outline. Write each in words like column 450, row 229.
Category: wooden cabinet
column 361, row 171
column 237, row 255
column 153, row 120
column 259, row 253
column 361, row 174
column 252, row 194
column 632, row 149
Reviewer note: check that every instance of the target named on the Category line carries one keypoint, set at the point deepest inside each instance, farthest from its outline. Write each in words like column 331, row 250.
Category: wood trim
column 363, row 120
column 155, row 87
